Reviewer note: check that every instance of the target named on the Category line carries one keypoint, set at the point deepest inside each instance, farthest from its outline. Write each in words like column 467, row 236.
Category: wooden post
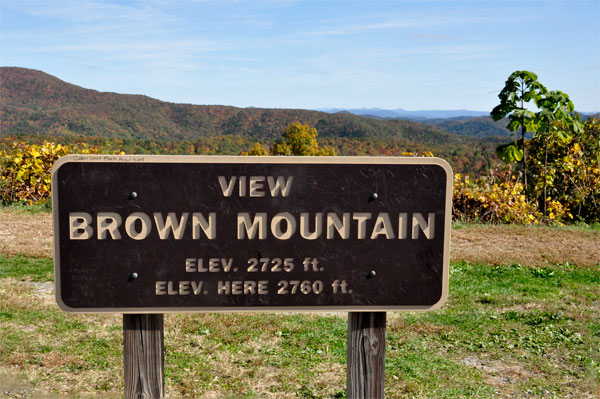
column 143, row 353
column 366, row 355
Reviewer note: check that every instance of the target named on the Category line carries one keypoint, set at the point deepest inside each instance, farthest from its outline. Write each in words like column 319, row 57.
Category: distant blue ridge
column 418, row 115
column 401, row 113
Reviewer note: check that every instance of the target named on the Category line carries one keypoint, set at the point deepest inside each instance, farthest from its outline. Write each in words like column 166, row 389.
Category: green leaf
column 513, row 125
column 510, row 152
column 564, row 135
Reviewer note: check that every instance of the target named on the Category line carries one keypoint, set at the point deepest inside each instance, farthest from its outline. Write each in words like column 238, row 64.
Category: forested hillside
column 483, row 126
column 38, row 106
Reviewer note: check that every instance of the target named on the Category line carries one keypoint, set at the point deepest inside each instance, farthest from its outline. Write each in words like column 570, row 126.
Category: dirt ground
column 31, row 235
column 527, row 245
column 24, row 233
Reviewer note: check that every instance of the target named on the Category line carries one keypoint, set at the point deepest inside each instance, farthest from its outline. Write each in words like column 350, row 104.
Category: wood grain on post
column 143, row 353
column 366, row 355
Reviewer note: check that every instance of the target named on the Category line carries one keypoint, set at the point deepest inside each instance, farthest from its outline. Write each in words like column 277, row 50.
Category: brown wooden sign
column 155, row 234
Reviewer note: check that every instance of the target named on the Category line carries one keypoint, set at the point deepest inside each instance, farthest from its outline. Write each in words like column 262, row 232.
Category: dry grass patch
column 24, row 295
column 13, row 384
column 506, row 377
column 396, row 321
column 23, row 233
column 527, row 245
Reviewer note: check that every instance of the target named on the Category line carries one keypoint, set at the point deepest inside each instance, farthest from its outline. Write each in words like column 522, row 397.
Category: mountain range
column 33, row 102
column 35, row 105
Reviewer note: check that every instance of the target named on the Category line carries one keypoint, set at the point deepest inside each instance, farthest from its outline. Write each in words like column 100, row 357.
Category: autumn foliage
column 564, row 170
column 570, row 168
column 297, row 139
column 498, row 198
column 25, row 169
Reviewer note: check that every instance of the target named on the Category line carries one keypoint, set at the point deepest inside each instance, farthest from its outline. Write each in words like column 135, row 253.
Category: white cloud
column 89, row 11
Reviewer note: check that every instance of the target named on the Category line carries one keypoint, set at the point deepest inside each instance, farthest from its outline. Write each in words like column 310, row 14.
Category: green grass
column 22, row 207
column 23, row 268
column 573, row 226
column 505, row 332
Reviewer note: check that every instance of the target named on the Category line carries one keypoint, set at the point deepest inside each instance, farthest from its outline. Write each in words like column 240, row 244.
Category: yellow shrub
column 25, row 169
column 493, row 199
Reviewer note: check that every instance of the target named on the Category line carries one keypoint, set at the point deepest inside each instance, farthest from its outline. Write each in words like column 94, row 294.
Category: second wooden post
column 144, row 357
column 366, row 355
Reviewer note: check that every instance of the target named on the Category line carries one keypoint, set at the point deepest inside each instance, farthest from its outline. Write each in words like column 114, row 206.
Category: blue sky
column 309, row 54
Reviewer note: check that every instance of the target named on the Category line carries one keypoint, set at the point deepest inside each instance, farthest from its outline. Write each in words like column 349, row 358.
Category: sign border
column 232, row 159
